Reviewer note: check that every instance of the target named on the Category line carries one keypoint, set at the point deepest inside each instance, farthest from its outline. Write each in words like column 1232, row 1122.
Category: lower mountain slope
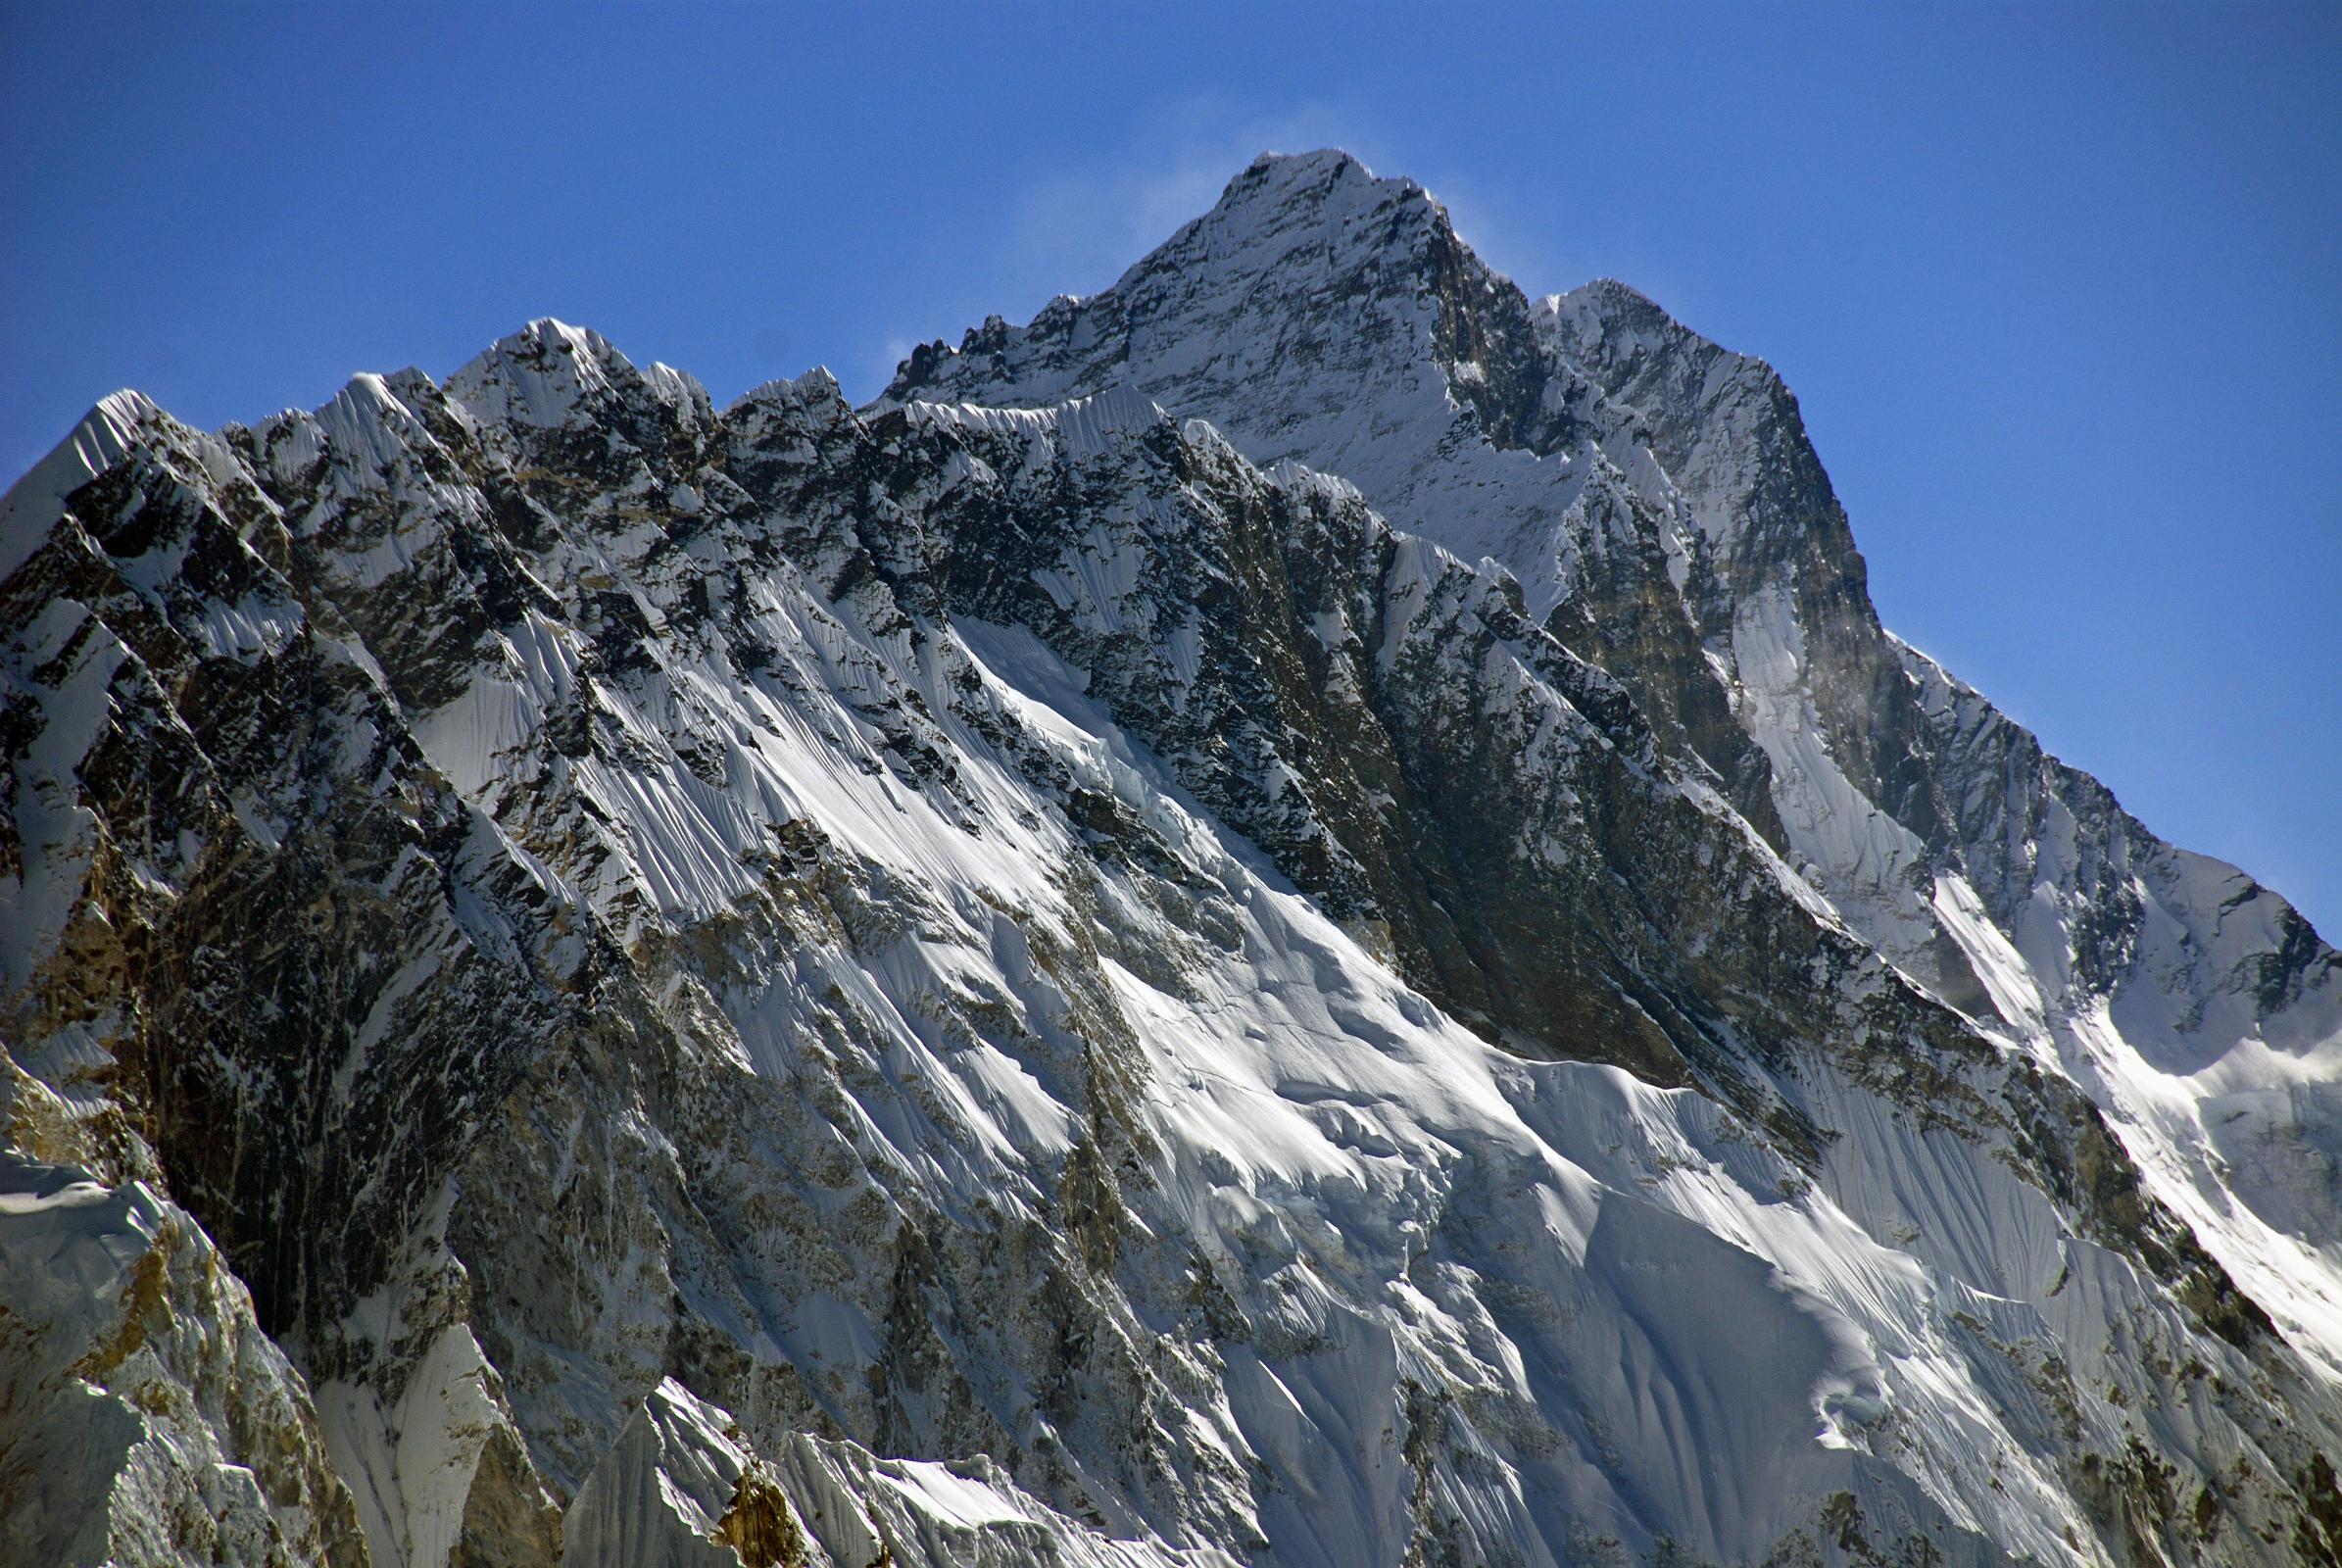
column 594, row 980
column 1670, row 521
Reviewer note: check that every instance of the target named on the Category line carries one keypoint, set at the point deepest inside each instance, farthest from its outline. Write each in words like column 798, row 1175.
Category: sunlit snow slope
column 1656, row 497
column 1294, row 917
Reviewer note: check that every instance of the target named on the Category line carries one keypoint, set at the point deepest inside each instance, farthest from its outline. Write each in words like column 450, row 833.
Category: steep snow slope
column 953, row 984
column 147, row 1416
column 1658, row 500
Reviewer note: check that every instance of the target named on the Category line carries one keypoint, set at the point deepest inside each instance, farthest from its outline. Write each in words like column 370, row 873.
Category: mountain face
column 1297, row 915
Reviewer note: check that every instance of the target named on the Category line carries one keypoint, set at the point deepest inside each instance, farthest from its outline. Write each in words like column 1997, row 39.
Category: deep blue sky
column 2060, row 290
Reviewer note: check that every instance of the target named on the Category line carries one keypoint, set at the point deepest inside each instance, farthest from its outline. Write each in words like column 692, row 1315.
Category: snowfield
column 1294, row 916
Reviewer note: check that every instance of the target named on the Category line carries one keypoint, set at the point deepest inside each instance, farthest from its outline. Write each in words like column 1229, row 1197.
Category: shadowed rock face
column 1007, row 978
column 1670, row 522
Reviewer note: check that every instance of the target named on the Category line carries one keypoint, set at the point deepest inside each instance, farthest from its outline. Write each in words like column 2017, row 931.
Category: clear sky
column 2059, row 289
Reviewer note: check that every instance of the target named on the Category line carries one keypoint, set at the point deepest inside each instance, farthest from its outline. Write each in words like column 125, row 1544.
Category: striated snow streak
column 1309, row 315
column 942, row 1137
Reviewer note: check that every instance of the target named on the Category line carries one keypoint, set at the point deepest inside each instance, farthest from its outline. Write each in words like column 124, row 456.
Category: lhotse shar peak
column 1296, row 916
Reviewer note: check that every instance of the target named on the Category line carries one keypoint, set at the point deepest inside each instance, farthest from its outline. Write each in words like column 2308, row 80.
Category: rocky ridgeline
column 1025, row 975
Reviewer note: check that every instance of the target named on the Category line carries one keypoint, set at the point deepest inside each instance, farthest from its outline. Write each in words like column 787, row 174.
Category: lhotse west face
column 1296, row 916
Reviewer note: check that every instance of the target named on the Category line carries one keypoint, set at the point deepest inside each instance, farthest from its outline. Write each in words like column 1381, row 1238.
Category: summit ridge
column 1295, row 915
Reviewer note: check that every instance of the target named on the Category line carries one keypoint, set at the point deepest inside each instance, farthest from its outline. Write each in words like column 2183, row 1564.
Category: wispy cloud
column 1080, row 224
column 1080, row 227
column 1077, row 230
column 869, row 374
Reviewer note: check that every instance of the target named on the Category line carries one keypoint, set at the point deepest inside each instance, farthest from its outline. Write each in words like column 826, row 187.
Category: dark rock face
column 256, row 883
column 703, row 967
column 1671, row 523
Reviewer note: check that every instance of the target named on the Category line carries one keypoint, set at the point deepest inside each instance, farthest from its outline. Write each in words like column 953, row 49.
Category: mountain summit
column 1295, row 915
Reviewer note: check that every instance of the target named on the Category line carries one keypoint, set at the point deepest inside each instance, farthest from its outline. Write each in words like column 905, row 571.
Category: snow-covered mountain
column 1297, row 915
